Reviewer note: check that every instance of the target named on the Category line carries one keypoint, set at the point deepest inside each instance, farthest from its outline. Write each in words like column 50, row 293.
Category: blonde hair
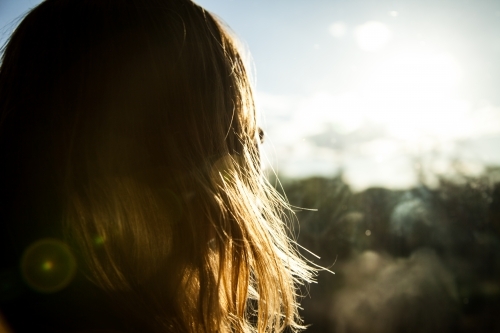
column 144, row 114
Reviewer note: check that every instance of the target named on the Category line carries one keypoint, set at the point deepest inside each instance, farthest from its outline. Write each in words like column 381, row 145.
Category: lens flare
column 99, row 240
column 48, row 265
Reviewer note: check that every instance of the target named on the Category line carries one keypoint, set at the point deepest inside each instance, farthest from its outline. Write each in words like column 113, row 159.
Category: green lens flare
column 48, row 265
column 99, row 240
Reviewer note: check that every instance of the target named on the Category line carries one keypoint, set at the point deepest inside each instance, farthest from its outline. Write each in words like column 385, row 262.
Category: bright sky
column 377, row 89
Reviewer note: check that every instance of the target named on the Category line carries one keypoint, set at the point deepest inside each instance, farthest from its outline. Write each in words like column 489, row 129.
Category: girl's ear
column 261, row 135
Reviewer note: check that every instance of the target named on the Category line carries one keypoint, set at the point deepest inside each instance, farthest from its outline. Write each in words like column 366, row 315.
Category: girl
column 132, row 195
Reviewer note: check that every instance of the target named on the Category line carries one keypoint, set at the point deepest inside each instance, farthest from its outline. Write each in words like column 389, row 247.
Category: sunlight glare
column 415, row 75
column 372, row 36
column 411, row 94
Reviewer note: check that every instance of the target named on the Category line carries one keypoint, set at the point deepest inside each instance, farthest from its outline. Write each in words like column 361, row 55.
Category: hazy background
column 380, row 90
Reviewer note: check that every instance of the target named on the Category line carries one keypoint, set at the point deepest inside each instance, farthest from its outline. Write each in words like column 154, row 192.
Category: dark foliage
column 421, row 260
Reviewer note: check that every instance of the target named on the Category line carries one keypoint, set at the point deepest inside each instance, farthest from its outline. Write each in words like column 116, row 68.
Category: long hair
column 128, row 128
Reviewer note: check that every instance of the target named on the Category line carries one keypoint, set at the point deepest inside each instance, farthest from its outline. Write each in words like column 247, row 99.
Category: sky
column 376, row 90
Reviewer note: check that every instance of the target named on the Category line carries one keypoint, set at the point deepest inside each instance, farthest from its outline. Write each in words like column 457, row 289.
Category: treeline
column 420, row 260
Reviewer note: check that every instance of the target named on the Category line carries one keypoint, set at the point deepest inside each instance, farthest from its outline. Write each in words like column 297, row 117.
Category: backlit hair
column 130, row 125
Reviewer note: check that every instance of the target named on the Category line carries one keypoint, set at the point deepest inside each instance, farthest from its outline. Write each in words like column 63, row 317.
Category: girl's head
column 128, row 128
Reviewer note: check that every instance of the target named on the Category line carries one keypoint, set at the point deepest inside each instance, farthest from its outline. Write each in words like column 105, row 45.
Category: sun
column 411, row 93
column 372, row 36
column 415, row 74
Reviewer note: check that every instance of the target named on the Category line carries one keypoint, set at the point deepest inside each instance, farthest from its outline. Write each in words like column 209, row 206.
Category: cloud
column 377, row 141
